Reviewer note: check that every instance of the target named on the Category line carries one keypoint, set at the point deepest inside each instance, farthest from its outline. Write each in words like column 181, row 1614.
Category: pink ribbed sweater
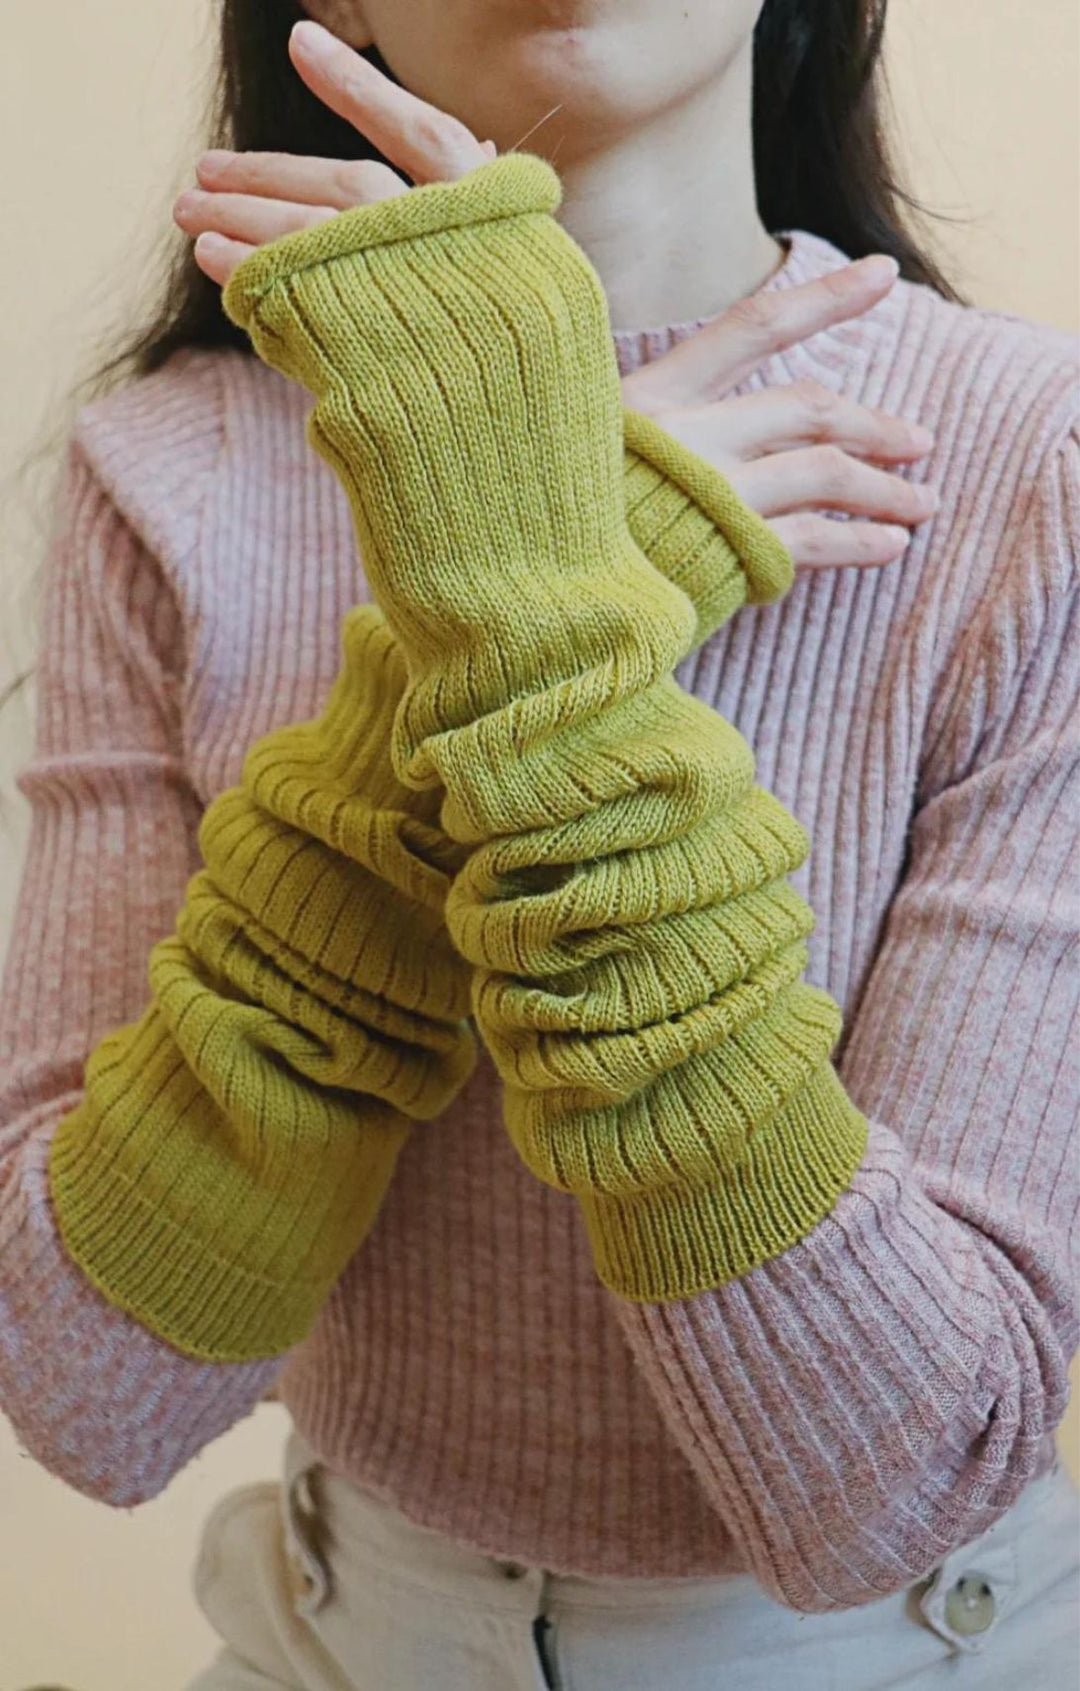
column 840, row 1418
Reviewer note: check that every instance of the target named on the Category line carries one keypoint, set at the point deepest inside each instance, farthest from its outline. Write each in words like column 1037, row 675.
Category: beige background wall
column 97, row 109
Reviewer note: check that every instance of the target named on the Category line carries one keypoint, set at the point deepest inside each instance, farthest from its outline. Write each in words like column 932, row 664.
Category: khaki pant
column 315, row 1585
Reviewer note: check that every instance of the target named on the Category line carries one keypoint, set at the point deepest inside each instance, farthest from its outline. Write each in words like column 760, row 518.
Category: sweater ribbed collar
column 807, row 256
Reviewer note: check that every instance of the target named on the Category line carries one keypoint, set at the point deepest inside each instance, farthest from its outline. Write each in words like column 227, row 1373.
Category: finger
column 218, row 257
column 243, row 217
column 821, row 543
column 305, row 181
column 426, row 143
column 826, row 478
column 780, row 418
column 709, row 363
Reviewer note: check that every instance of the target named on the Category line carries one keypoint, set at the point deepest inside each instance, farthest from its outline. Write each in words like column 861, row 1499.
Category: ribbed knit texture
column 638, row 952
column 840, row 1416
column 233, row 1145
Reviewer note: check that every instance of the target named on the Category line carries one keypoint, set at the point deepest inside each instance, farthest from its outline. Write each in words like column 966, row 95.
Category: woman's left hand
column 246, row 200
column 789, row 452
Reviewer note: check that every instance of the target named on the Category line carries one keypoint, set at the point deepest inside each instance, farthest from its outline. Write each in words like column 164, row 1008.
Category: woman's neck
column 668, row 215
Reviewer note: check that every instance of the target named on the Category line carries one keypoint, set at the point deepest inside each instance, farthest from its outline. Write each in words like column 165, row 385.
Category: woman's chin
column 579, row 87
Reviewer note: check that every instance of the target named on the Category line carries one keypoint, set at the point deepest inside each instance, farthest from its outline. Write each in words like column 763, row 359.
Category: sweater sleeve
column 233, row 1144
column 638, row 949
column 880, row 1394
column 97, row 1398
column 178, row 1194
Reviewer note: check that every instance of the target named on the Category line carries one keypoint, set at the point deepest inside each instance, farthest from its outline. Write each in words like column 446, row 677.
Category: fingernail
column 921, row 436
column 213, row 160
column 880, row 265
column 309, row 36
column 209, row 242
column 900, row 536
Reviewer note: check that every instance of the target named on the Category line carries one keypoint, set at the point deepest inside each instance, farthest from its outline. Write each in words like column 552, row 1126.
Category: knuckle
column 640, row 397
column 355, row 87
column 348, row 179
column 755, row 317
column 439, row 134
column 457, row 133
column 359, row 179
column 818, row 405
column 833, row 467
column 805, row 535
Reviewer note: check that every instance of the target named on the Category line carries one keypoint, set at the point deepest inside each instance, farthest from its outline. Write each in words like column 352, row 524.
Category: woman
column 662, row 1340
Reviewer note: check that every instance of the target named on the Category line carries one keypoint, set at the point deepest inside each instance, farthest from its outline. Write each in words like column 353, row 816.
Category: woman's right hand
column 794, row 451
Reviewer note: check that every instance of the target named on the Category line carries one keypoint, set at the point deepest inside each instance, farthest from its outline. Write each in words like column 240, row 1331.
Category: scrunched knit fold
column 233, row 1147
column 637, row 953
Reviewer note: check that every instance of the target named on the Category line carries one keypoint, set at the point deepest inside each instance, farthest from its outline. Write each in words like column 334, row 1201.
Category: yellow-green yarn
column 233, row 1145
column 166, row 1108
column 637, row 950
column 250, row 994
column 694, row 528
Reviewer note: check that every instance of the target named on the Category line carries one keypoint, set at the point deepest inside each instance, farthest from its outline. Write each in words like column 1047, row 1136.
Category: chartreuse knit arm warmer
column 232, row 1147
column 637, row 948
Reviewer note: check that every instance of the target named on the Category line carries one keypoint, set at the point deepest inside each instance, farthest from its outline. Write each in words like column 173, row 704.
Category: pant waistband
column 375, row 1533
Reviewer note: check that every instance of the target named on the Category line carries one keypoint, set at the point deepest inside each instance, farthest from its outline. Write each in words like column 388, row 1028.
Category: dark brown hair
column 821, row 155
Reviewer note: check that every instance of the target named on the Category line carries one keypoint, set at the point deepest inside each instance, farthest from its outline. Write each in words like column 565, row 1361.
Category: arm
column 175, row 1205
column 558, row 929
column 116, row 1409
column 638, row 948
column 239, row 1137
column 882, row 1393
column 99, row 1400
column 233, row 1144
